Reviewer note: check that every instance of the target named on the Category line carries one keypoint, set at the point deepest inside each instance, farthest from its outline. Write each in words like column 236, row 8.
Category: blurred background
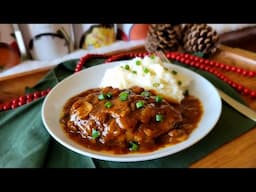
column 23, row 43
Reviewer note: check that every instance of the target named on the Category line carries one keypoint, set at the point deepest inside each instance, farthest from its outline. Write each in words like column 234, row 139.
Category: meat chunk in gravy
column 105, row 120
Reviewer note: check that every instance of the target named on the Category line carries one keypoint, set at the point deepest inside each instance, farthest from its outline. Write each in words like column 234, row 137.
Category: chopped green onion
column 145, row 94
column 152, row 56
column 174, row 72
column 133, row 146
column 138, row 62
column 95, row 133
column 139, row 104
column 156, row 84
column 159, row 99
column 135, row 72
column 101, row 96
column 108, row 104
column 109, row 95
column 159, row 117
column 127, row 67
column 123, row 96
column 145, row 70
column 179, row 82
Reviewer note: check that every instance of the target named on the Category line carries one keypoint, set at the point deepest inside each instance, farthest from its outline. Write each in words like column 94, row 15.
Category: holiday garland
column 210, row 66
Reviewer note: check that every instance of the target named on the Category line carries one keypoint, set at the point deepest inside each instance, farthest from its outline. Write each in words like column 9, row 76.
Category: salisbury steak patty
column 115, row 117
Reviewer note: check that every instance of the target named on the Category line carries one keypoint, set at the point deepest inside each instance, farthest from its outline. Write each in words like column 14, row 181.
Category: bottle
column 47, row 41
column 91, row 36
column 9, row 50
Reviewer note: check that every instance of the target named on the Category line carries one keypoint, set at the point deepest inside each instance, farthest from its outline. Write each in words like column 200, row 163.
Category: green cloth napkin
column 25, row 143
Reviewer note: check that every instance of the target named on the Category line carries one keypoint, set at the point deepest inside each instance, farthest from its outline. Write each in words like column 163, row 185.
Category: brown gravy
column 135, row 123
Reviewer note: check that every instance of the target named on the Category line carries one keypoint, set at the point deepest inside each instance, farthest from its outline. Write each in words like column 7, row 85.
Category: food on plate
column 129, row 120
column 150, row 73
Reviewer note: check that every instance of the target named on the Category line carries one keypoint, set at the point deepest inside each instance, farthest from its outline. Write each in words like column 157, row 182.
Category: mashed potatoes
column 149, row 73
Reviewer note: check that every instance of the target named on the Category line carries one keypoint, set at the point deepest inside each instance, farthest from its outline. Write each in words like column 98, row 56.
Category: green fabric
column 24, row 141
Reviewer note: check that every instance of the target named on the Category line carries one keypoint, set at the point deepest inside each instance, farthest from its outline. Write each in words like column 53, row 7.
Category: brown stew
column 131, row 120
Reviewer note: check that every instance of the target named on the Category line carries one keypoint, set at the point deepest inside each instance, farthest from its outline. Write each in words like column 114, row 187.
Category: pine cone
column 163, row 37
column 200, row 38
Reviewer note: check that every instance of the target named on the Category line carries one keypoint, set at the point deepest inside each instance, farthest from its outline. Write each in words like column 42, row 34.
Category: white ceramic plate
column 91, row 78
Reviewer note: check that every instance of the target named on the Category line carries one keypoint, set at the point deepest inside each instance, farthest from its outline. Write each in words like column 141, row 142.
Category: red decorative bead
column 201, row 61
column 29, row 100
column 15, row 101
column 191, row 57
column 226, row 67
column 233, row 84
column 253, row 94
column 192, row 63
column 177, row 58
column 44, row 93
column 251, row 74
column 182, row 60
column 21, row 103
column 233, row 68
column 6, row 106
column 246, row 91
column 244, row 72
column 13, row 106
column 238, row 70
column 240, row 87
column 196, row 59
column 29, row 96
column 186, row 61
column 201, row 66
column 37, row 94
column 169, row 55
column 22, row 98
column 207, row 62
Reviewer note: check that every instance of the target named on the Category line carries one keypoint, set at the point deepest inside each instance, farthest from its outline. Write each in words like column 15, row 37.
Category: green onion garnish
column 138, row 62
column 133, row 146
column 158, row 99
column 139, row 104
column 145, row 94
column 159, row 117
column 145, row 70
column 127, row 67
column 108, row 104
column 174, row 72
column 101, row 96
column 109, row 95
column 179, row 82
column 95, row 133
column 152, row 56
column 123, row 96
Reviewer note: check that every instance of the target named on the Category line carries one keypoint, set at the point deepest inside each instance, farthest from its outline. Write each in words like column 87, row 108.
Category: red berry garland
column 191, row 60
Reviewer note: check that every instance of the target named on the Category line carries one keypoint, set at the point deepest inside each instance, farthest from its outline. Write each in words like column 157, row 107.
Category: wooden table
column 240, row 152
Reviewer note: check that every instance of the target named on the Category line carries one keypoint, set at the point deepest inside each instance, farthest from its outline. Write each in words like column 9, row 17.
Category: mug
column 48, row 41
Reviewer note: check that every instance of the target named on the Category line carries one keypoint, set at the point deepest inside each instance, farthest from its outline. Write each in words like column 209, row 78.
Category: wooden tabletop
column 239, row 153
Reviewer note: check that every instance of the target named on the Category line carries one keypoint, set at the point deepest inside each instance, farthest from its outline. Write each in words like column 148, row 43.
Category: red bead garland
column 21, row 100
column 191, row 60
column 210, row 66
